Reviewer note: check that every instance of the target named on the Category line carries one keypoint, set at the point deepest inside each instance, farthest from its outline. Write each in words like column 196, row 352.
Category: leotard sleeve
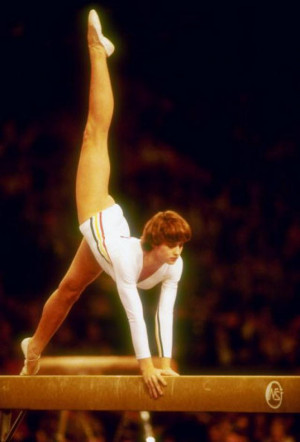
column 126, row 274
column 164, row 313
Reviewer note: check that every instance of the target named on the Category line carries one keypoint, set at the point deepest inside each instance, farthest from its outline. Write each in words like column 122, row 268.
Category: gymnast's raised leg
column 93, row 171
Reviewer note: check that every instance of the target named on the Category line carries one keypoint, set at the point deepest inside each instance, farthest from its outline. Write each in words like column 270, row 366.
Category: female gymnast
column 107, row 246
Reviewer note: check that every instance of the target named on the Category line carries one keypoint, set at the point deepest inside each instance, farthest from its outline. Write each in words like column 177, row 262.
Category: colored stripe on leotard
column 158, row 335
column 99, row 235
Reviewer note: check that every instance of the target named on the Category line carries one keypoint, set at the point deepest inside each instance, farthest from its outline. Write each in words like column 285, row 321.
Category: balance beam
column 185, row 393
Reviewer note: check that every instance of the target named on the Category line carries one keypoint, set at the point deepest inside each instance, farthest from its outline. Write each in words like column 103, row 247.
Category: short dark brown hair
column 165, row 228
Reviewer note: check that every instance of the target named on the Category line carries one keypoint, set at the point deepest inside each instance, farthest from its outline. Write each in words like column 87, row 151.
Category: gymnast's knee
column 97, row 126
column 70, row 289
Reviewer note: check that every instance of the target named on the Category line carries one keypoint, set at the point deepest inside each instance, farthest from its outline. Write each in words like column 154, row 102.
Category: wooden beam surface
column 184, row 393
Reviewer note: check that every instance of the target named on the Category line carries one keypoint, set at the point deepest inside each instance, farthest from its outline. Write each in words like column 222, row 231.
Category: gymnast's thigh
column 84, row 267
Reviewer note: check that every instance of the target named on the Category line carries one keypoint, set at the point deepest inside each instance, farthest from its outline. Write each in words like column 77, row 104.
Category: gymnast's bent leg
column 83, row 270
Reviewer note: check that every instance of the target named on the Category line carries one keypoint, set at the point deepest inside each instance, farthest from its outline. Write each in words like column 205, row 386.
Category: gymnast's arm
column 164, row 326
column 134, row 310
column 164, row 317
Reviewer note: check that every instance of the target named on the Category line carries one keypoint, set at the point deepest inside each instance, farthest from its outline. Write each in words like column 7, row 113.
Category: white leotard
column 121, row 256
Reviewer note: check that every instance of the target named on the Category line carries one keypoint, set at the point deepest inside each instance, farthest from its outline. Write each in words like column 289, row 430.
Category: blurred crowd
column 237, row 309
column 164, row 427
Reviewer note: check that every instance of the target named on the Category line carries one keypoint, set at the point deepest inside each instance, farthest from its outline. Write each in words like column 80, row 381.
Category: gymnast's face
column 168, row 253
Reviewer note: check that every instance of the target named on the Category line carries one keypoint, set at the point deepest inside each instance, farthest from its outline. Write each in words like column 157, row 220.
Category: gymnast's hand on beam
column 166, row 369
column 154, row 382
column 169, row 372
column 152, row 377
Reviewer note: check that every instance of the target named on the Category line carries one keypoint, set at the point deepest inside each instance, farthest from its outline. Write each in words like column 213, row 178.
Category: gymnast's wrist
column 165, row 363
column 145, row 364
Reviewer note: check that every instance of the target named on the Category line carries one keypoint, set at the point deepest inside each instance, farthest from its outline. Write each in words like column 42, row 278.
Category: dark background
column 207, row 123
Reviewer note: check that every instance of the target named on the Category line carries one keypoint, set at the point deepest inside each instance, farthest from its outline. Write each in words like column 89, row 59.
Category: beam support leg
column 5, row 420
column 9, row 430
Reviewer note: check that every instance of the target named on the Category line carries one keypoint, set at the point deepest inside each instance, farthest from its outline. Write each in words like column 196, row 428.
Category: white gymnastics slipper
column 31, row 366
column 95, row 23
